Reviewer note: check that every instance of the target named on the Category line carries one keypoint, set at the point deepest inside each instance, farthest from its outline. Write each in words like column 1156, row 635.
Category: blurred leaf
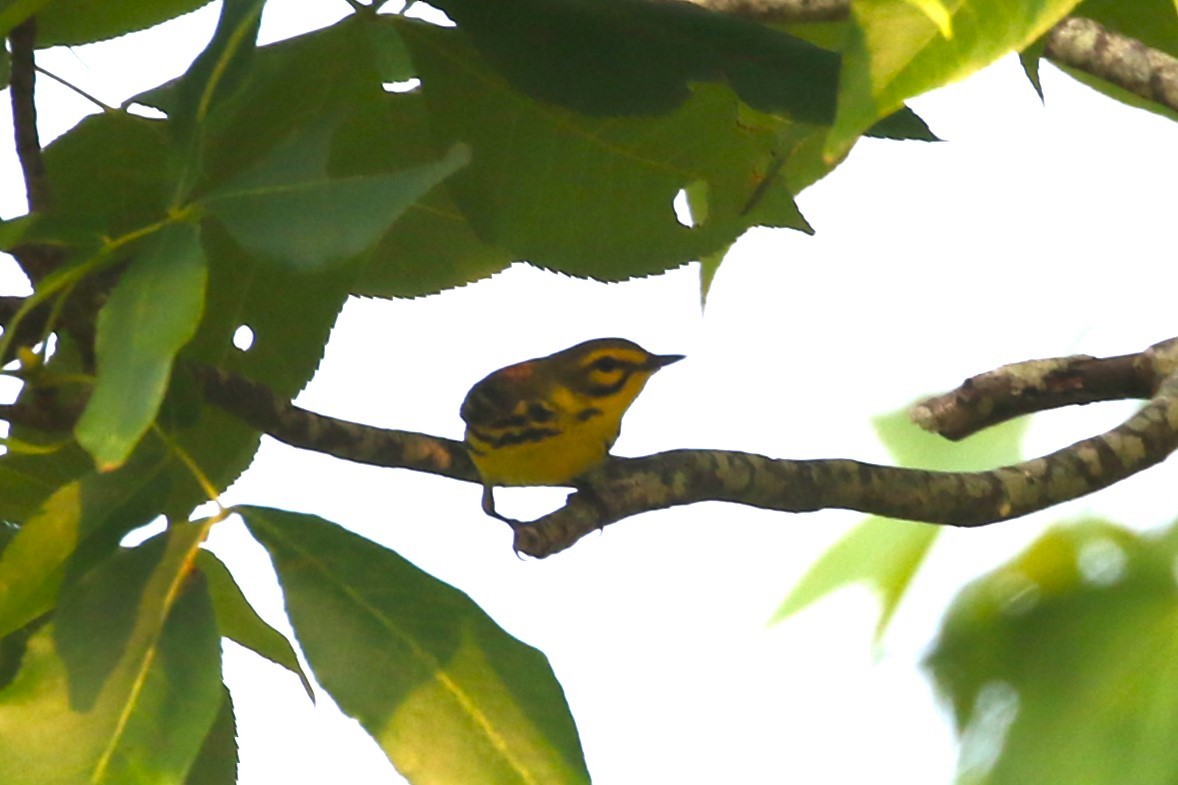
column 913, row 446
column 289, row 210
column 448, row 695
column 78, row 524
column 153, row 699
column 882, row 552
column 153, row 311
column 592, row 196
column 73, row 22
column 887, row 553
column 894, row 52
column 5, row 69
column 1059, row 664
column 216, row 763
column 238, row 621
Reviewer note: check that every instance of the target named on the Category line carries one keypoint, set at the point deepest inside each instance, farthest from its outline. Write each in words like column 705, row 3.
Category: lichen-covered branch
column 1125, row 62
column 1037, row 385
column 260, row 408
column 628, row 486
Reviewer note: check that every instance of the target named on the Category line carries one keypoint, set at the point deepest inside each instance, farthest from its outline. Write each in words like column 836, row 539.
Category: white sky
column 1033, row 231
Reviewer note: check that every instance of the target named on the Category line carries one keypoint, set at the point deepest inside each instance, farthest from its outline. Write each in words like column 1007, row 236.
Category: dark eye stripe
column 598, row 390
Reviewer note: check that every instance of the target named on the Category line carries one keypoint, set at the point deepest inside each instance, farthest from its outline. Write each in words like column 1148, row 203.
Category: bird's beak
column 660, row 360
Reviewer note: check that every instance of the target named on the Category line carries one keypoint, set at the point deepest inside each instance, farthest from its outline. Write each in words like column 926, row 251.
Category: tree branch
column 623, row 487
column 1075, row 42
column 1125, row 62
column 1034, row 386
column 261, row 409
column 22, row 39
column 37, row 260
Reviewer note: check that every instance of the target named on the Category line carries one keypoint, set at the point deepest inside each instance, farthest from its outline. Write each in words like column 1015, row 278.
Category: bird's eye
column 606, row 364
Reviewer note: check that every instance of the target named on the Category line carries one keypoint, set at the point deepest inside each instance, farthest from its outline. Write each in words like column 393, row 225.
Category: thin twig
column 74, row 88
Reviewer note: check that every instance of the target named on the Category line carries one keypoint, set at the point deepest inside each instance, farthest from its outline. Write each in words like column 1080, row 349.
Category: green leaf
column 1059, row 664
column 152, row 313
column 887, row 553
column 151, row 701
column 239, row 622
column 73, row 22
column 432, row 246
column 448, row 695
column 108, row 175
column 290, row 210
column 626, row 58
column 13, row 12
column 80, row 523
column 1029, row 59
column 937, row 13
column 592, row 196
column 894, row 52
column 216, row 763
column 289, row 334
column 213, row 81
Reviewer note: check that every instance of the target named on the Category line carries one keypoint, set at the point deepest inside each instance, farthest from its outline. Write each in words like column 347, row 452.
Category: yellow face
column 550, row 420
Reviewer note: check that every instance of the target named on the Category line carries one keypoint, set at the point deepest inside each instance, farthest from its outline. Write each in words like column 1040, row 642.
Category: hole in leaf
column 682, row 209
column 144, row 532
column 143, row 110
column 406, row 86
column 243, row 338
column 427, row 13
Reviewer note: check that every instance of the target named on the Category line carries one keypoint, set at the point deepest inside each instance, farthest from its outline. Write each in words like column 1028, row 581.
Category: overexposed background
column 1033, row 230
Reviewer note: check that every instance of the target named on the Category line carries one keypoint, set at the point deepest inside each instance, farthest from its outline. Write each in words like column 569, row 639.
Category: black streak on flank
column 516, row 437
column 589, row 414
column 538, row 412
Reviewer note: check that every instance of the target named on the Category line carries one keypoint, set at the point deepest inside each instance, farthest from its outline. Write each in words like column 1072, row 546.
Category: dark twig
column 22, row 40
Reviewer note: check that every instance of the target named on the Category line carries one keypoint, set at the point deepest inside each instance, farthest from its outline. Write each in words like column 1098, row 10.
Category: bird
column 549, row 420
